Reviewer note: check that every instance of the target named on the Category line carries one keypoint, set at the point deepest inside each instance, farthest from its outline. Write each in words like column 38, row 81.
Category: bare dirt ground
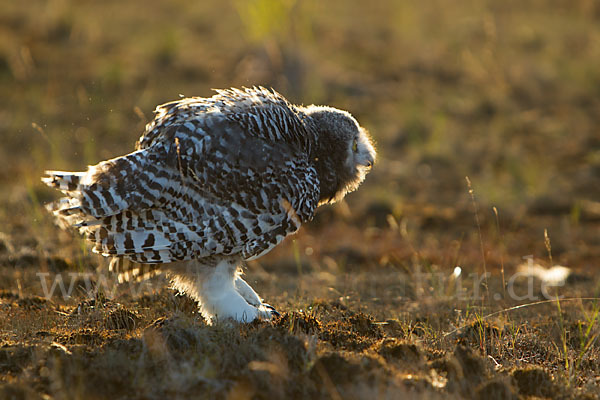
column 423, row 284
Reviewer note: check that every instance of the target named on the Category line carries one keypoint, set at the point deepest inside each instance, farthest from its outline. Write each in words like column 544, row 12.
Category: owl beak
column 367, row 162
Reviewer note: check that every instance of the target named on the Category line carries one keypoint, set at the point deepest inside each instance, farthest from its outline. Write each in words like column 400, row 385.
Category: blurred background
column 504, row 93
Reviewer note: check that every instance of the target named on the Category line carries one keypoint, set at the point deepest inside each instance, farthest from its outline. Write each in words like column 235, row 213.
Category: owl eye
column 355, row 145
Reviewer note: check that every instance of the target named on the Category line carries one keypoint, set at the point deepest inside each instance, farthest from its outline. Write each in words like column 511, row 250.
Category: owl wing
column 206, row 188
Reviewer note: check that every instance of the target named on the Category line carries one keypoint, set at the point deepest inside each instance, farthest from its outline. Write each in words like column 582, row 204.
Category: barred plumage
column 214, row 181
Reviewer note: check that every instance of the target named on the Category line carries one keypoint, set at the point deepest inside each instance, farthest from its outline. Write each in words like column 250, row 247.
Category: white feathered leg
column 216, row 291
column 246, row 291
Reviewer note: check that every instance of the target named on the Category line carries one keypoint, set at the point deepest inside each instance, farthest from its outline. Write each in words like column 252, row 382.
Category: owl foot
column 224, row 298
column 221, row 293
column 236, row 308
column 272, row 309
column 233, row 306
column 252, row 297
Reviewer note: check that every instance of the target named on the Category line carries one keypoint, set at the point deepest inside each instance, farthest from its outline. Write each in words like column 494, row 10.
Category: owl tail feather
column 67, row 210
column 128, row 271
column 63, row 181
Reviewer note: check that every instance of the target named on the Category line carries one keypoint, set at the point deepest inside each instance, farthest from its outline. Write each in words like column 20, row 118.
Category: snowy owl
column 213, row 182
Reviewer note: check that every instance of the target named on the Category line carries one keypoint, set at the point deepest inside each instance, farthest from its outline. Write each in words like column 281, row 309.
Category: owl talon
column 272, row 309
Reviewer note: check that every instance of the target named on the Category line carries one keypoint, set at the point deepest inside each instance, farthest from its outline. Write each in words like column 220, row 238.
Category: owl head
column 344, row 153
